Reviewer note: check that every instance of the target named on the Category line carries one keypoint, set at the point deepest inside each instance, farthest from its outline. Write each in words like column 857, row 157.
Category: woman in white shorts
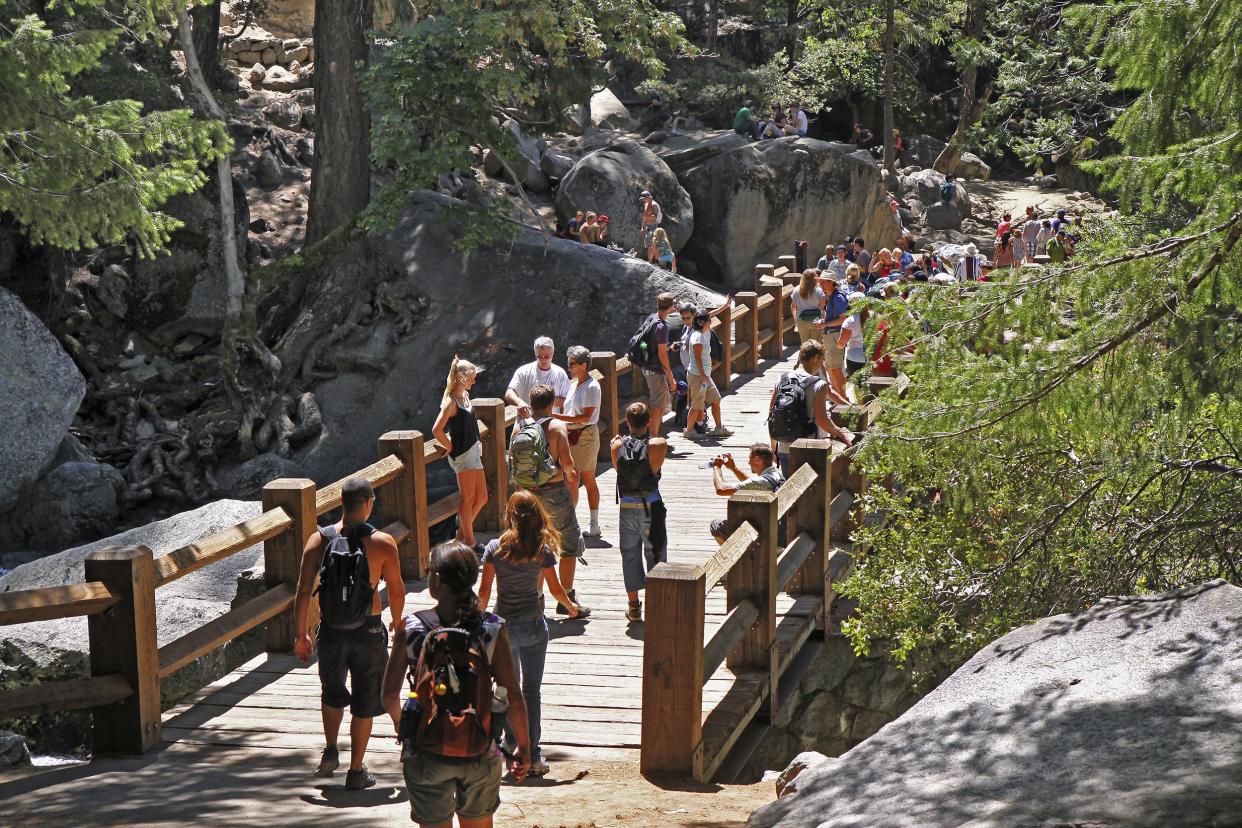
column 458, row 431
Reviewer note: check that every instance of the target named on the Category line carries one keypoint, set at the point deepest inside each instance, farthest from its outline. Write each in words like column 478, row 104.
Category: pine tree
column 1078, row 432
column 78, row 172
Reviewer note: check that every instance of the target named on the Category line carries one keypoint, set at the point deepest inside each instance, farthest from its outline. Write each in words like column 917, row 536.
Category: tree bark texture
column 341, row 170
column 713, row 24
column 890, row 161
column 207, row 38
column 973, row 101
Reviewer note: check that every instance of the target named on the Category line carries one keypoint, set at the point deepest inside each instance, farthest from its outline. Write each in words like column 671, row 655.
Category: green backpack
column 529, row 458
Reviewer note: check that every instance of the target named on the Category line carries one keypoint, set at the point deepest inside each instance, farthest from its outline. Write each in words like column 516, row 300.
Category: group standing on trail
column 462, row 685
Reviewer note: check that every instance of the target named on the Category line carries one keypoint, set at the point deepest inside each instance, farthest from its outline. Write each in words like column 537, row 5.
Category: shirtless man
column 360, row 650
column 652, row 216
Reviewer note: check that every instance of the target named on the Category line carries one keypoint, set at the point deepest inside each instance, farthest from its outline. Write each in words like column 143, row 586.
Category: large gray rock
column 609, row 182
column 40, row 391
column 1125, row 714
column 924, row 185
column 13, row 750
column 922, row 151
column 970, row 165
column 247, row 480
column 490, row 305
column 683, row 159
column 608, row 112
column 753, row 201
column 941, row 216
column 76, row 501
column 51, row 650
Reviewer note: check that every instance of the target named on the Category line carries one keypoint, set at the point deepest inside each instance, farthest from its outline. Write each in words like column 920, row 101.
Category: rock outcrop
column 609, row 181
column 490, row 305
column 752, row 202
column 40, row 391
column 1125, row 714
column 52, row 650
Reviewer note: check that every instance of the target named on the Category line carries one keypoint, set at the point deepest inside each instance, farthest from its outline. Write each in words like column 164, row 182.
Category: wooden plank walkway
column 264, row 716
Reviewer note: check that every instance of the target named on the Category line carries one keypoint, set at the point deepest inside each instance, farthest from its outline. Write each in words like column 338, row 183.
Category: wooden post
column 754, row 577
column 405, row 499
column 772, row 318
column 762, row 270
column 609, row 417
column 282, row 555
column 747, row 332
column 811, row 513
column 724, row 329
column 491, row 413
column 673, row 670
column 790, row 263
column 122, row 642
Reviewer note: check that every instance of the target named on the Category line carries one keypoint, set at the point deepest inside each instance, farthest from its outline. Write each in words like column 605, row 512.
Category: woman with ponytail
column 457, row 430
column 525, row 549
column 469, row 787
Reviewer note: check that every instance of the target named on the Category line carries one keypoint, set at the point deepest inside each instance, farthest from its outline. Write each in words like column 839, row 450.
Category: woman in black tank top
column 457, row 430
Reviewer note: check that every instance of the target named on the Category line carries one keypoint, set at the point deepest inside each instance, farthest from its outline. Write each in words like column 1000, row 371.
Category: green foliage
column 77, row 171
column 446, row 82
column 1078, row 432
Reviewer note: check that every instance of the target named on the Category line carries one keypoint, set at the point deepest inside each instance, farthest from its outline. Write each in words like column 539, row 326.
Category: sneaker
column 583, row 611
column 700, row 427
column 593, row 531
column 329, row 762
column 720, row 431
column 635, row 611
column 357, row 780
column 538, row 768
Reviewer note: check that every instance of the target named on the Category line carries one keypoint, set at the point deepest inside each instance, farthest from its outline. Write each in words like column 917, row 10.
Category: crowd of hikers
column 461, row 682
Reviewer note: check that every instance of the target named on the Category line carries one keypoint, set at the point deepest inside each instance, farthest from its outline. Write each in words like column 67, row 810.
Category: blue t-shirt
column 837, row 306
column 517, row 584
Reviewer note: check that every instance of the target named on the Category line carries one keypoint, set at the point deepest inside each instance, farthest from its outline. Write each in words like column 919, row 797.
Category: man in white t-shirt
column 540, row 372
column 581, row 417
column 703, row 391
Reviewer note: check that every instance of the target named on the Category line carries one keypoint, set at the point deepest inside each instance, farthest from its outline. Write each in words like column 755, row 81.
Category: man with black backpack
column 638, row 458
column 349, row 557
column 799, row 404
column 648, row 349
column 543, row 464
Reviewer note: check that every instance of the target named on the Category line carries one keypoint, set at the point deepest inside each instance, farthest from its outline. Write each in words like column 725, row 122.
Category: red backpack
column 453, row 682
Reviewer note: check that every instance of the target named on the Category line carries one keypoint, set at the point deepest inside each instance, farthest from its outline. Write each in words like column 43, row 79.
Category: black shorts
column 852, row 367
column 363, row 654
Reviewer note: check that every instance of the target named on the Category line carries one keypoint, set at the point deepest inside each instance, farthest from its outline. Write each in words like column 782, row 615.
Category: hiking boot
column 635, row 611
column 357, row 780
column 720, row 431
column 538, row 768
column 583, row 611
column 329, row 762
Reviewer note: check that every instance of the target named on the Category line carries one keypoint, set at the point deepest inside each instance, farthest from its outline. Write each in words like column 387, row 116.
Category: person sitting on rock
column 744, row 121
column 588, row 233
column 574, row 225
column 601, row 234
column 776, row 126
column 798, row 123
column 662, row 251
column 862, row 137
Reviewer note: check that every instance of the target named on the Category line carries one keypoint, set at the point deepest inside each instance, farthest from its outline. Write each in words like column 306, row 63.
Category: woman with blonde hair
column 514, row 562
column 806, row 304
column 458, row 431
column 882, row 265
column 661, row 250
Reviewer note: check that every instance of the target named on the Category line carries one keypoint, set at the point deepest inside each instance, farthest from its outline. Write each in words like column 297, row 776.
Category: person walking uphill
column 514, row 562
column 350, row 558
column 543, row 464
column 458, row 431
column 581, row 418
column 648, row 349
column 459, row 664
column 638, row 458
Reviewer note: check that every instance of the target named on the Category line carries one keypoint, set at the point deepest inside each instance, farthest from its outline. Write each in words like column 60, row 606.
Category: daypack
column 716, row 347
column 529, row 457
column 345, row 578
column 947, row 191
column 634, row 475
column 639, row 350
column 788, row 420
column 453, row 686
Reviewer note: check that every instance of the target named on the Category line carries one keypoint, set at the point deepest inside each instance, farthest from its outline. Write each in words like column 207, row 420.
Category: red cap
column 604, row 219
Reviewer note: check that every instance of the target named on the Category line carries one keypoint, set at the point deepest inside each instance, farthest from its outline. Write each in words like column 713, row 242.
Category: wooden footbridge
column 672, row 697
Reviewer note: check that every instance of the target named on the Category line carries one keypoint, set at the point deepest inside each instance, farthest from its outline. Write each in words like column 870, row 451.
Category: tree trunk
column 713, row 24
column 890, row 160
column 973, row 103
column 234, row 279
column 207, row 39
column 341, row 170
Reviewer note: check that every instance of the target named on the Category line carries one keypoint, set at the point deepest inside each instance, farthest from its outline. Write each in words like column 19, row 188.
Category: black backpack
column 345, row 578
column 716, row 347
column 635, row 477
column 788, row 420
column 639, row 350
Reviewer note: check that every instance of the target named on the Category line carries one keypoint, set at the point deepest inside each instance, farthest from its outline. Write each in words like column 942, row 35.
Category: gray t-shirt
column 812, row 389
column 517, row 584
column 811, row 303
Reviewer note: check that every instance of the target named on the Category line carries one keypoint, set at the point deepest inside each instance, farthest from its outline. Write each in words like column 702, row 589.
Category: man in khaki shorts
column 657, row 371
column 836, row 311
column 582, row 404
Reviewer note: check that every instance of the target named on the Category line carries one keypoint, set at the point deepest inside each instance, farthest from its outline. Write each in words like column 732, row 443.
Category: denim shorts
column 471, row 458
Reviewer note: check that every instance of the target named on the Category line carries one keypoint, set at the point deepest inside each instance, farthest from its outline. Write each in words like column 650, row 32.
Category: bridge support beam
column 811, row 515
column 122, row 642
column 672, row 730
column 405, row 499
column 754, row 577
